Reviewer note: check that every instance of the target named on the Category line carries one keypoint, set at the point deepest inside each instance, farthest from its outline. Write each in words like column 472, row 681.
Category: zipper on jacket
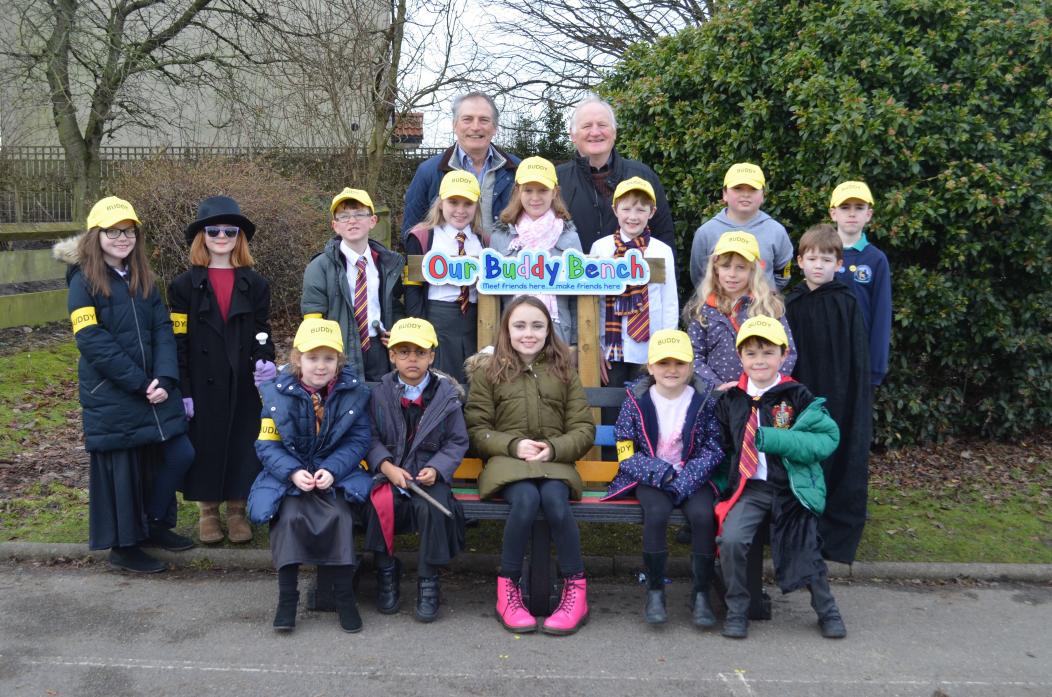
column 142, row 352
column 92, row 390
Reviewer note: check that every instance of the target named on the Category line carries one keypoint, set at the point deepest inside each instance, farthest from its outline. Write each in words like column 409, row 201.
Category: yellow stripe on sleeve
column 268, row 430
column 179, row 322
column 625, row 450
column 83, row 317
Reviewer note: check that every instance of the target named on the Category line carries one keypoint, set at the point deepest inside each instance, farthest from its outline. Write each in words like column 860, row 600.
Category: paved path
column 86, row 631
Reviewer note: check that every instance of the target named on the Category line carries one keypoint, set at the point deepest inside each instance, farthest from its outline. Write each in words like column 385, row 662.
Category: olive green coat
column 538, row 406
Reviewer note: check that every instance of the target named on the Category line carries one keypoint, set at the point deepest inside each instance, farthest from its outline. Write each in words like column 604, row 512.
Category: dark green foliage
column 945, row 108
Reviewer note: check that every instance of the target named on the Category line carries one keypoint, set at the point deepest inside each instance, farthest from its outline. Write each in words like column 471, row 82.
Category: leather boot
column 512, row 614
column 388, row 590
column 736, row 626
column 427, row 599
column 208, row 530
column 347, row 604
column 702, row 566
column 285, row 616
column 572, row 612
column 237, row 526
column 654, row 612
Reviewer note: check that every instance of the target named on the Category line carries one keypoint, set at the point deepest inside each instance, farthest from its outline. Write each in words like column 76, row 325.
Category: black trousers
column 657, row 506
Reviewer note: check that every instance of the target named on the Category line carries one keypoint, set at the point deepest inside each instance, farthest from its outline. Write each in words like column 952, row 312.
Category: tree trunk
column 386, row 93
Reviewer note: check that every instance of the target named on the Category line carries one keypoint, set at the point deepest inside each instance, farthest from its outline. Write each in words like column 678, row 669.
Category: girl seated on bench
column 528, row 418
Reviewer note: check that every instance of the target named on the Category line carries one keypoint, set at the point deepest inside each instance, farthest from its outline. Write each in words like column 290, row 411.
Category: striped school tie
column 750, row 459
column 361, row 304
column 462, row 299
column 319, row 410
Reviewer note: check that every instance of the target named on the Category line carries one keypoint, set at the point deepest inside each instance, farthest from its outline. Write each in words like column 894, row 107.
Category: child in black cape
column 833, row 350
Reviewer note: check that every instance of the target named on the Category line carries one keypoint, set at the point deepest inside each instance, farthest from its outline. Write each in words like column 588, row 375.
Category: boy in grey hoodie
column 743, row 192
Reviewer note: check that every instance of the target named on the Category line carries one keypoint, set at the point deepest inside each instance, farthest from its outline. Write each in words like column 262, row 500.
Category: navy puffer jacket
column 125, row 341
column 288, row 441
column 637, row 438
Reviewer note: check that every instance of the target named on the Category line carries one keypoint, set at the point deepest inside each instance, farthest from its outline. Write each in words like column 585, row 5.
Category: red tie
column 463, row 297
column 361, row 304
column 750, row 458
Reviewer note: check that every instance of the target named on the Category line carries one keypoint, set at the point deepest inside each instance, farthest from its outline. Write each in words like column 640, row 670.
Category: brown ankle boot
column 237, row 527
column 208, row 529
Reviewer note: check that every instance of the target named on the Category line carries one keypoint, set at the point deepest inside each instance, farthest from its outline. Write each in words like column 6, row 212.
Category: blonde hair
column 506, row 364
column 294, row 360
column 93, row 266
column 434, row 218
column 764, row 301
column 513, row 210
column 239, row 256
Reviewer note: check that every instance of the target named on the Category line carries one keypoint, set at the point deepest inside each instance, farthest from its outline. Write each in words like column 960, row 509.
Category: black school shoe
column 427, row 599
column 832, row 625
column 167, row 539
column 135, row 560
column 735, row 626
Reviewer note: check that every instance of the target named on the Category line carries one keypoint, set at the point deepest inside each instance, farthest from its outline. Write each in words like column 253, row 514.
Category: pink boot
column 510, row 610
column 572, row 612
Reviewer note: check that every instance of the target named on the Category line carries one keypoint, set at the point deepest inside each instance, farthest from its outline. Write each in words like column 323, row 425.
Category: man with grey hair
column 475, row 121
column 587, row 182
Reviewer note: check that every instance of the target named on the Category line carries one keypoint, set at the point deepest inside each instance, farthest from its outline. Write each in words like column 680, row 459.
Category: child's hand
column 726, row 386
column 604, row 367
column 384, row 338
column 543, row 454
column 395, row 474
column 303, row 480
column 323, row 479
column 155, row 394
column 527, row 449
column 427, row 476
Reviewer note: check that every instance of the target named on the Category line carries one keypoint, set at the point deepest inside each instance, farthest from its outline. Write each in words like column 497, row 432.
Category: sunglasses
column 114, row 233
column 228, row 230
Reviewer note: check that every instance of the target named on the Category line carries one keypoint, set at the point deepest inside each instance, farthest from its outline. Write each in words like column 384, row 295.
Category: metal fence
column 35, row 184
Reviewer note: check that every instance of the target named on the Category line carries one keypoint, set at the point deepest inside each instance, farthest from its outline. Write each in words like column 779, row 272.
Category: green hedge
column 944, row 108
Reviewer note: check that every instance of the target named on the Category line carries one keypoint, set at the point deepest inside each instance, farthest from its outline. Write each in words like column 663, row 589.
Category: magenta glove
column 188, row 407
column 265, row 371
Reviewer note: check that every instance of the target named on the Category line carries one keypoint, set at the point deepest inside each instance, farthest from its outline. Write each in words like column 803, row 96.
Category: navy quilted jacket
column 637, row 437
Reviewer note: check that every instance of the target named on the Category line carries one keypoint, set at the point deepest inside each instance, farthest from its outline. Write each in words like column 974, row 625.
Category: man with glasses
column 357, row 282
column 475, row 121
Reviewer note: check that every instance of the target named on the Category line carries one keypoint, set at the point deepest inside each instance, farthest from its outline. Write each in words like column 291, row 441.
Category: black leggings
column 657, row 507
column 328, row 575
column 526, row 498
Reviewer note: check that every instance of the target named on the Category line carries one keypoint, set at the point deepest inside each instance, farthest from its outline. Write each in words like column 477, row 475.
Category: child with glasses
column 419, row 438
column 356, row 282
column 219, row 306
column 134, row 428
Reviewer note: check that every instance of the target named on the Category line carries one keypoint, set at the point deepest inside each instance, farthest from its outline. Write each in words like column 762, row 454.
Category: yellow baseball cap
column 848, row 190
column 744, row 173
column 459, row 183
column 763, row 327
column 536, row 170
column 315, row 332
column 670, row 343
column 415, row 331
column 111, row 210
column 635, row 184
column 739, row 242
column 348, row 194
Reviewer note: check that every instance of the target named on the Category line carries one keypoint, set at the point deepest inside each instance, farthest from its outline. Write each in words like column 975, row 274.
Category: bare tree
column 560, row 48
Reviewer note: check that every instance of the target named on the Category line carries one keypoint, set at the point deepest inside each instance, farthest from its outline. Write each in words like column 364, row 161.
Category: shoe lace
column 569, row 593
column 514, row 597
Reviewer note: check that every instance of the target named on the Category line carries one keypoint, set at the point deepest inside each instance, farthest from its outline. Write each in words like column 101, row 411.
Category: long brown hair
column 513, row 210
column 89, row 252
column 239, row 256
column 506, row 364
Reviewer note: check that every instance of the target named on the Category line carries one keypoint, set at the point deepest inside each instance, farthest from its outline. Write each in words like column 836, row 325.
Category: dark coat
column 637, row 429
column 289, row 442
column 593, row 215
column 327, row 292
column 834, row 363
column 125, row 342
column 441, row 437
column 423, row 189
column 216, row 362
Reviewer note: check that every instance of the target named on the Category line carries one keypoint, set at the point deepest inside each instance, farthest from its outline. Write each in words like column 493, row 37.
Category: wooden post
column 489, row 319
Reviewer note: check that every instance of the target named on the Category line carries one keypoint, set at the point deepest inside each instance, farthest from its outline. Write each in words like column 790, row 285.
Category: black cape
column 833, row 361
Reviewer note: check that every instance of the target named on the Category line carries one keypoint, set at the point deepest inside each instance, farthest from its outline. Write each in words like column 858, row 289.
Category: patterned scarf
column 634, row 303
column 539, row 235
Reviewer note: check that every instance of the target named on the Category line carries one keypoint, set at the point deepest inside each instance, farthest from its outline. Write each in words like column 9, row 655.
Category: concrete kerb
column 599, row 566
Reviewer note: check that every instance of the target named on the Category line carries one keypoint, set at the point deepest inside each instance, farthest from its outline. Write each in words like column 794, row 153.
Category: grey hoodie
column 775, row 248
